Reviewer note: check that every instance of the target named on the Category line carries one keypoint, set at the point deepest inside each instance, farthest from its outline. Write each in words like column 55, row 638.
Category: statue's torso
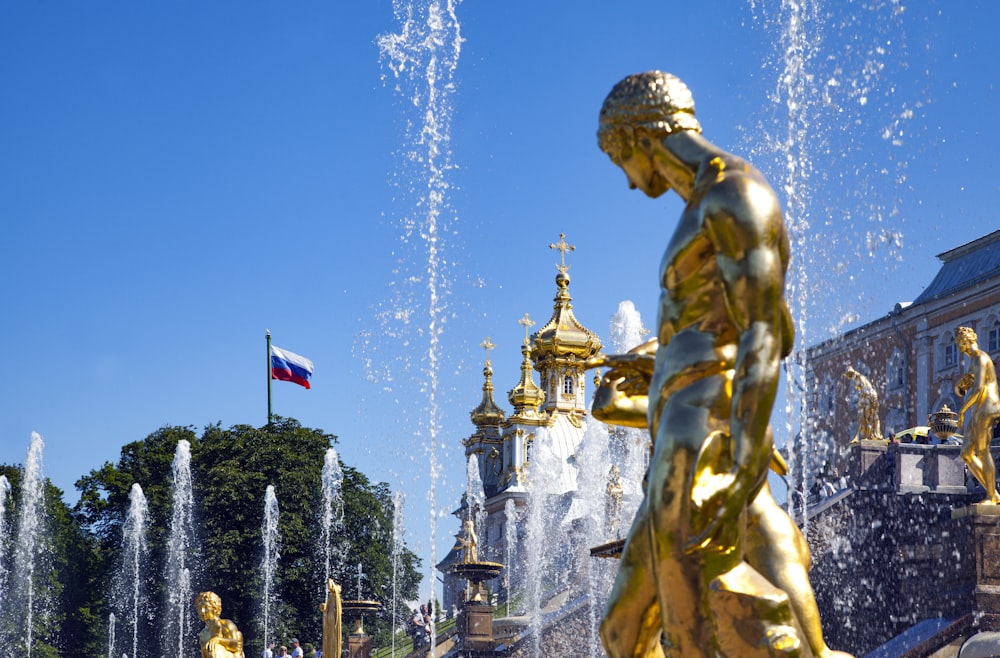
column 698, row 336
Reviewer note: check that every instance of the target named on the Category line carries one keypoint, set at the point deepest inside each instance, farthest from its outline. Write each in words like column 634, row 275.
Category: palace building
column 909, row 355
column 501, row 443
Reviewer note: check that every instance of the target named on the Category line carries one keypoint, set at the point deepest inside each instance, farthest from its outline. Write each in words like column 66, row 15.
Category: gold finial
column 528, row 323
column 487, row 345
column 563, row 247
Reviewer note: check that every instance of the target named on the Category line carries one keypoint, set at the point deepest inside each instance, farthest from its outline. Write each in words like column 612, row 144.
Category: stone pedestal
column 476, row 627
column 985, row 521
column 359, row 646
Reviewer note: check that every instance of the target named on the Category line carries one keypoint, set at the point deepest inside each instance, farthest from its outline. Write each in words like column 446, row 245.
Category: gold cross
column 487, row 345
column 528, row 323
column 563, row 247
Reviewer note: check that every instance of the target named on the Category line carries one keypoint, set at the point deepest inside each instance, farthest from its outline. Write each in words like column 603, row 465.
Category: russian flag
column 290, row 367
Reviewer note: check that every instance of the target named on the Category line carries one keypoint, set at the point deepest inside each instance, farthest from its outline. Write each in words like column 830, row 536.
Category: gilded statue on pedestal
column 982, row 400
column 220, row 638
column 712, row 566
column 468, row 540
column 332, row 620
column 613, row 500
column 869, row 427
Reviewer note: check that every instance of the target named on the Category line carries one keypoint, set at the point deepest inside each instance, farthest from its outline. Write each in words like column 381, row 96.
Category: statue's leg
column 631, row 624
column 684, row 423
column 971, row 450
column 776, row 548
column 983, row 427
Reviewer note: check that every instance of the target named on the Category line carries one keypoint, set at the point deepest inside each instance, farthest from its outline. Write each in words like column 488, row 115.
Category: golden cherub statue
column 869, row 427
column 710, row 555
column 220, row 638
column 982, row 399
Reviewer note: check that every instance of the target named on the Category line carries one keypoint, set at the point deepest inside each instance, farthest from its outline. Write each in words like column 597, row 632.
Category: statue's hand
column 712, row 508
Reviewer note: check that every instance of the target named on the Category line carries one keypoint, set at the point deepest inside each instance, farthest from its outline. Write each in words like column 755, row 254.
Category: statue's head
column 965, row 337
column 208, row 605
column 654, row 102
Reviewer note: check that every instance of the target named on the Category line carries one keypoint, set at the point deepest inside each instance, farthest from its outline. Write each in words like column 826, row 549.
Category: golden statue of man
column 469, row 541
column 220, row 638
column 869, row 427
column 332, row 620
column 982, row 399
column 709, row 554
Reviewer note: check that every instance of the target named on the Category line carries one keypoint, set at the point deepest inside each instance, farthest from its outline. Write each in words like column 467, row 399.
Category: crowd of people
column 296, row 652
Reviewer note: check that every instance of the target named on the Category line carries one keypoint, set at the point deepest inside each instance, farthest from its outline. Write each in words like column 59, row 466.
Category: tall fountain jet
column 29, row 551
column 423, row 59
column 177, row 621
column 397, row 550
column 4, row 539
column 269, row 562
column 332, row 519
column 130, row 596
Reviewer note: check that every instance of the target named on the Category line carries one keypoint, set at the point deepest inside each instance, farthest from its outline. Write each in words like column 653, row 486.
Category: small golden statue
column 468, row 540
column 869, row 427
column 982, row 399
column 613, row 503
column 712, row 566
column 332, row 620
column 220, row 638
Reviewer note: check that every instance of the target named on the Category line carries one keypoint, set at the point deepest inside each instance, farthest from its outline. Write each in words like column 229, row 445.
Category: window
column 950, row 354
column 993, row 337
column 946, row 352
column 894, row 371
column 568, row 385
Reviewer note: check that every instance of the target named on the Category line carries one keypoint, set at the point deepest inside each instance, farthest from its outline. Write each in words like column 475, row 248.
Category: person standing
column 268, row 651
column 296, row 649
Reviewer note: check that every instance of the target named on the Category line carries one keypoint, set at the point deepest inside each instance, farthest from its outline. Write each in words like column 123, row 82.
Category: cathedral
column 502, row 443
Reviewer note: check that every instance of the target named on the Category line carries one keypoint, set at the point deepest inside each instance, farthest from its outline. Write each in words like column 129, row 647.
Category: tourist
column 416, row 628
column 427, row 624
column 708, row 382
column 282, row 652
column 296, row 649
column 268, row 651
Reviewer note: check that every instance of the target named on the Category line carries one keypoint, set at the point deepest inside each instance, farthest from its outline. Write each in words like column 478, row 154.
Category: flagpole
column 269, row 412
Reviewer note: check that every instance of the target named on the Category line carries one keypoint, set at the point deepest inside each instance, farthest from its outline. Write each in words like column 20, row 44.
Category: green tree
column 231, row 469
column 64, row 605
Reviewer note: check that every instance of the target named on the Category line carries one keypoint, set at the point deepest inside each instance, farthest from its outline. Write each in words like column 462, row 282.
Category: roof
column 965, row 266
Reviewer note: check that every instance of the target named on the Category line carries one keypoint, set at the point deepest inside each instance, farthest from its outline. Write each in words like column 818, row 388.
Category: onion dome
column 526, row 396
column 487, row 413
column 563, row 336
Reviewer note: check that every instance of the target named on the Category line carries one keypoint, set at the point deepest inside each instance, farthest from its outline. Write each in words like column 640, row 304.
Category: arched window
column 568, row 385
column 992, row 335
column 894, row 371
column 947, row 350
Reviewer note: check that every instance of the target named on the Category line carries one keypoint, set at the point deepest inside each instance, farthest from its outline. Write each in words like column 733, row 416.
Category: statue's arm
column 743, row 219
column 975, row 392
column 622, row 397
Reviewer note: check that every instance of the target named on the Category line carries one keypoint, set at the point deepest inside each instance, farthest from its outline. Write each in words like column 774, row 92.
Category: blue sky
column 176, row 178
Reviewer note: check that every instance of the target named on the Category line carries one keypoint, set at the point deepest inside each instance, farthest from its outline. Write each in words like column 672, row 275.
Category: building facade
column 909, row 355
